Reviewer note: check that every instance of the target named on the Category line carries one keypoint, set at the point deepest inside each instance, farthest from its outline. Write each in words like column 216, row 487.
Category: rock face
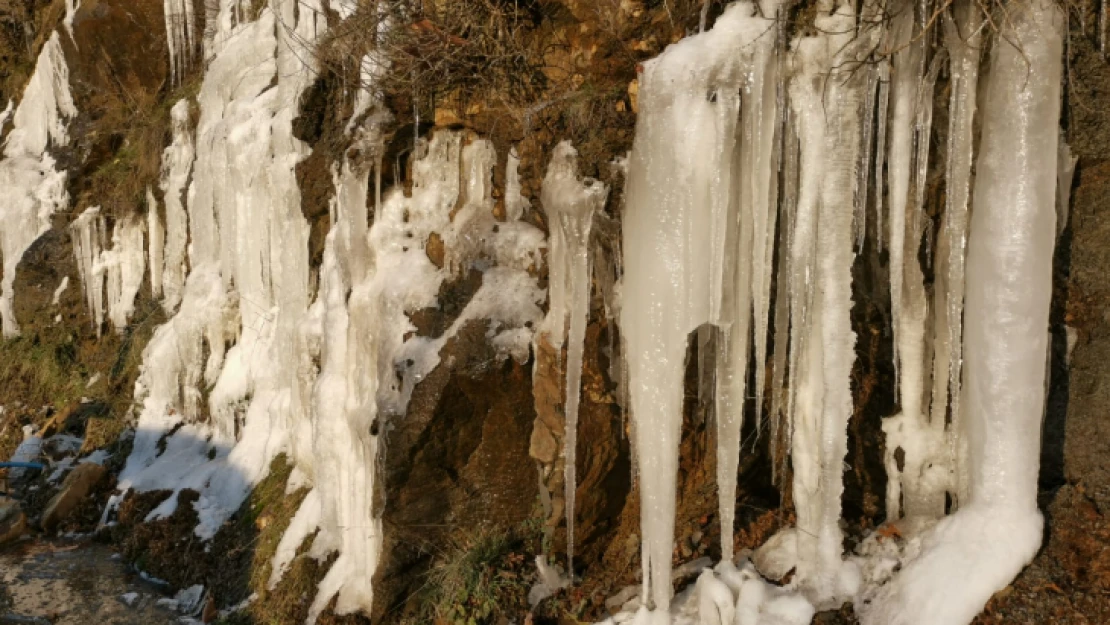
column 457, row 462
column 77, row 485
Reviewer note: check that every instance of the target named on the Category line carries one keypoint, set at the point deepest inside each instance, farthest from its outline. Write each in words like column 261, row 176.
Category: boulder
column 77, row 485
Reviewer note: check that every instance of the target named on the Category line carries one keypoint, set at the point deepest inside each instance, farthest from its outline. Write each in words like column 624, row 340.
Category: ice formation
column 258, row 360
column 918, row 487
column 111, row 276
column 698, row 246
column 978, row 550
column 180, row 36
column 177, row 167
column 570, row 203
column 35, row 188
column 692, row 195
column 754, row 157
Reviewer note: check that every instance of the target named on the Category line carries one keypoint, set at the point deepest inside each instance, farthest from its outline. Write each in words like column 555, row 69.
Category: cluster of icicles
column 758, row 162
column 755, row 155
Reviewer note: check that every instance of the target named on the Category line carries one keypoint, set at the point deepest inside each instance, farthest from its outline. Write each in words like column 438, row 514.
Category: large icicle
column 124, row 266
column 749, row 244
column 177, row 167
column 759, row 187
column 907, row 69
column 680, row 190
column 826, row 99
column 916, row 489
column 977, row 551
column 157, row 246
column 780, row 412
column 570, row 203
column 34, row 188
column 963, row 40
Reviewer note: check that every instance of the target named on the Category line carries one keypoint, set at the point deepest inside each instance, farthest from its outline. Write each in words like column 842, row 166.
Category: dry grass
column 25, row 25
column 463, row 50
column 483, row 575
column 136, row 124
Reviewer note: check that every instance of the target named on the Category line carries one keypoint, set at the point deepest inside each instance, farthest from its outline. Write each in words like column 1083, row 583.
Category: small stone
column 76, row 487
column 633, row 95
column 210, row 613
column 435, row 250
column 447, row 117
column 543, row 446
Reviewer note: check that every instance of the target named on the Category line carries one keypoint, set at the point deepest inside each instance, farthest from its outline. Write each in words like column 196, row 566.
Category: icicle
column 827, row 101
column 906, row 79
column 124, row 266
column 180, row 34
column 952, row 247
column 867, row 141
column 35, row 186
column 880, row 149
column 177, row 167
column 88, row 242
column 570, row 203
column 1066, row 170
column 920, row 486
column 681, row 188
column 157, row 243
column 1102, row 13
column 760, row 187
column 515, row 203
column 780, row 424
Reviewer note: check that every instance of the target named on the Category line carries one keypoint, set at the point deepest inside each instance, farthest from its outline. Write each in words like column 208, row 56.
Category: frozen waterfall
column 701, row 216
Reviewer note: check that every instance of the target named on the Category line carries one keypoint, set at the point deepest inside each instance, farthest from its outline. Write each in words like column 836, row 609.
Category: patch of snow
column 62, row 286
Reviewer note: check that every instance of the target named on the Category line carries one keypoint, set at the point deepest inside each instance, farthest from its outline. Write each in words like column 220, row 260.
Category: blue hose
column 22, row 465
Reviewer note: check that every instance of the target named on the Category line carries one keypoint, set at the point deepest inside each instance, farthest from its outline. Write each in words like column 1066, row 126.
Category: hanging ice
column 180, row 36
column 111, row 276
column 570, row 203
column 826, row 99
column 917, row 466
column 35, row 189
column 682, row 258
column 177, row 167
column 977, row 551
column 963, row 38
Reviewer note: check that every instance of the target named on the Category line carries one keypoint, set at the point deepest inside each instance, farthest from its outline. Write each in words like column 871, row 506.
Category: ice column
column 826, row 100
column 977, row 551
column 88, row 241
column 124, row 266
column 917, row 488
column 570, row 203
column 157, row 243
